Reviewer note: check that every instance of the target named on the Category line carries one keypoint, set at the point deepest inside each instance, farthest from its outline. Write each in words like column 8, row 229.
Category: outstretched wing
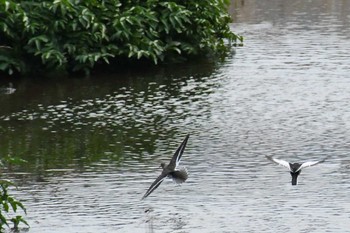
column 279, row 161
column 309, row 164
column 174, row 162
column 154, row 185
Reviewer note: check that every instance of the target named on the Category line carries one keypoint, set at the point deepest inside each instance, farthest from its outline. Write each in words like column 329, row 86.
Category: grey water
column 94, row 145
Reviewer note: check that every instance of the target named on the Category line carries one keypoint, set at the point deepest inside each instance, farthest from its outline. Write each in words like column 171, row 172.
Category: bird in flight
column 294, row 168
column 170, row 170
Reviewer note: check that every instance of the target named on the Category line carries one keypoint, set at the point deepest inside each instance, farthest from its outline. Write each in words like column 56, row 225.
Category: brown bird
column 170, row 171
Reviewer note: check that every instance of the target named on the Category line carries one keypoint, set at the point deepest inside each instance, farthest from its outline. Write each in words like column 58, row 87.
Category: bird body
column 170, row 170
column 294, row 168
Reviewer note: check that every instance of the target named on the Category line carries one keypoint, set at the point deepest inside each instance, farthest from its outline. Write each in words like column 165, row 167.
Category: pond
column 94, row 145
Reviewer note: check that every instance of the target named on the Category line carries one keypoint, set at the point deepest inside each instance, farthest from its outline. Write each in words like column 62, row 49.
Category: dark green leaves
column 78, row 35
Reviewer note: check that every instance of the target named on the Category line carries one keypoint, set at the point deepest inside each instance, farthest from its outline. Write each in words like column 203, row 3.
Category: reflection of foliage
column 114, row 124
column 78, row 35
column 8, row 203
column 66, row 146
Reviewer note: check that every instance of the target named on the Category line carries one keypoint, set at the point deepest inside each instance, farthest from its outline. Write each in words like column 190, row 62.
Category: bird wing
column 279, row 161
column 174, row 162
column 154, row 185
column 309, row 164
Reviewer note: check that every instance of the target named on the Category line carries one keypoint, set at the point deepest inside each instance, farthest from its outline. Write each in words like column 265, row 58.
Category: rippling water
column 94, row 145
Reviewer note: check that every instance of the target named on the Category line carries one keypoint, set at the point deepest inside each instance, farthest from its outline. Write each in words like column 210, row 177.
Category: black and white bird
column 294, row 168
column 170, row 170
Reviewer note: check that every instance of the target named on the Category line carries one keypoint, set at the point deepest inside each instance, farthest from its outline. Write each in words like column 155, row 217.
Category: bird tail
column 294, row 179
column 180, row 176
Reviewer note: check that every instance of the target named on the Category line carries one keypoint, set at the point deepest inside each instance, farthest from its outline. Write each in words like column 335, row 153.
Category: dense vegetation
column 77, row 35
column 8, row 204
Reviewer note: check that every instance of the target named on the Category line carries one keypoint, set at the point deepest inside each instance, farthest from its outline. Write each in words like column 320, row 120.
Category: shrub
column 75, row 35
column 8, row 204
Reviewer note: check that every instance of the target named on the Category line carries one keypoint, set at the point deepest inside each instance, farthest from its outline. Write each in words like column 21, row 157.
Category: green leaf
column 7, row 5
column 3, row 220
column 5, row 205
column 23, row 220
column 7, row 183
column 4, row 66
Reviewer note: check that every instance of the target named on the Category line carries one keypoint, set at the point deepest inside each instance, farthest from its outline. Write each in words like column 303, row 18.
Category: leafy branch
column 8, row 204
column 80, row 35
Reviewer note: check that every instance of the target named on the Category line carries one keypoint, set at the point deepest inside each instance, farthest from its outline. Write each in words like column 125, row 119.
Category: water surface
column 94, row 145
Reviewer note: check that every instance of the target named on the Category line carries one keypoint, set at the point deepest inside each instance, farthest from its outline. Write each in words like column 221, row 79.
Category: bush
column 76, row 35
column 8, row 204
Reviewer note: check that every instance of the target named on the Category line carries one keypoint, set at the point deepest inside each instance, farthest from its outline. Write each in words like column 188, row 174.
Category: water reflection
column 129, row 118
column 95, row 145
column 7, row 90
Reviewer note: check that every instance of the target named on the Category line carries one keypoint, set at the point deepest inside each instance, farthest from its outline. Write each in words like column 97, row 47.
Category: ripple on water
column 285, row 94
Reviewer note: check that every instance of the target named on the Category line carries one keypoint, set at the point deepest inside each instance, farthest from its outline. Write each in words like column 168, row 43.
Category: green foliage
column 76, row 35
column 8, row 204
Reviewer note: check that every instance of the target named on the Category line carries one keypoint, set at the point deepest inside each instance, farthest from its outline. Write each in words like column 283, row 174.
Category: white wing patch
column 308, row 164
column 180, row 152
column 279, row 161
column 178, row 158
